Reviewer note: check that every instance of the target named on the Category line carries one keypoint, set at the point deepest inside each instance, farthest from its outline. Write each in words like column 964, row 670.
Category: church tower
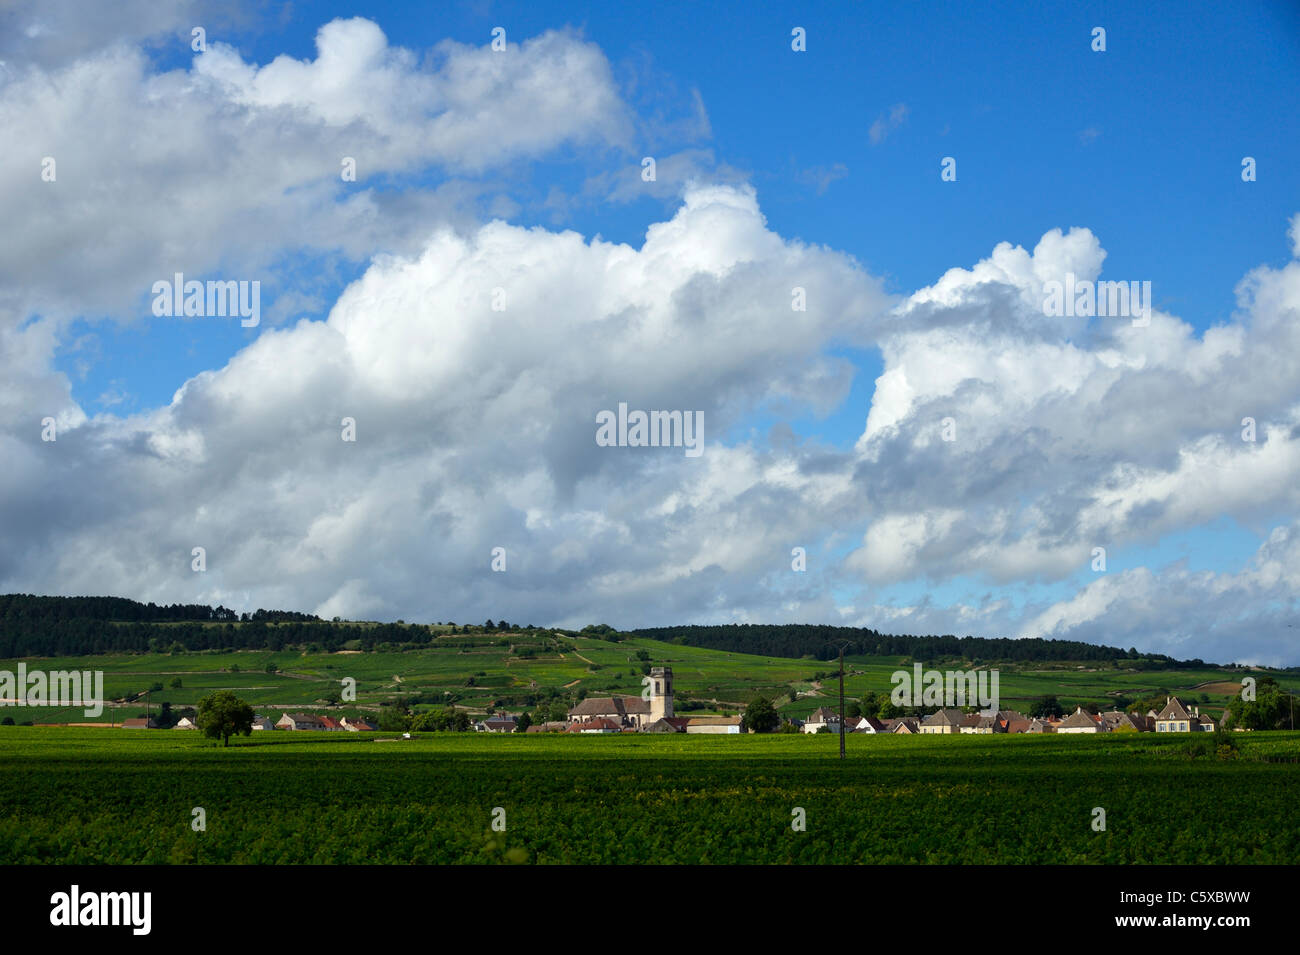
column 661, row 693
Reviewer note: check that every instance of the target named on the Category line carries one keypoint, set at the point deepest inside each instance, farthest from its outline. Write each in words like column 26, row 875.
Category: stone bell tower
column 661, row 693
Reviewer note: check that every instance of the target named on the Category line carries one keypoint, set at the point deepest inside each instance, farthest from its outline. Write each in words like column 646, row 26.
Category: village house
column 354, row 724
column 975, row 723
column 503, row 723
column 821, row 717
column 548, row 727
column 1081, row 722
column 185, row 723
column 1011, row 721
column 943, row 722
column 866, row 724
column 905, row 724
column 1117, row 721
column 299, row 721
column 262, row 723
column 1177, row 718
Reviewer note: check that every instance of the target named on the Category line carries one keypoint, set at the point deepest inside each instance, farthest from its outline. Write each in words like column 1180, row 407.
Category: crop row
column 90, row 798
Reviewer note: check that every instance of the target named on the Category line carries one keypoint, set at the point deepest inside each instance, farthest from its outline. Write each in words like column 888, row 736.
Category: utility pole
column 841, row 702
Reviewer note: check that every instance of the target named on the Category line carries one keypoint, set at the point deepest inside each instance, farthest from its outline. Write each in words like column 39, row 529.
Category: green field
column 119, row 796
column 518, row 671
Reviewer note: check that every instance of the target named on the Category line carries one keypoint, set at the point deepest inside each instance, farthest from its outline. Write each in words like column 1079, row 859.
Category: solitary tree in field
column 222, row 715
column 760, row 716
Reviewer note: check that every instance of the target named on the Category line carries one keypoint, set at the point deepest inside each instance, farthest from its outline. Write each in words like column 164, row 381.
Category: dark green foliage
column 222, row 715
column 166, row 718
column 1272, row 707
column 823, row 643
column 1047, row 706
column 440, row 719
column 760, row 716
column 120, row 797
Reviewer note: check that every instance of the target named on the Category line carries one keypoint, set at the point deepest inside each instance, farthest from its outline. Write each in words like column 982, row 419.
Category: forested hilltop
column 75, row 626
column 824, row 642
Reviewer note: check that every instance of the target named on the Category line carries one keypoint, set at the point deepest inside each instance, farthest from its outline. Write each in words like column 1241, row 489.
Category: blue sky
column 1012, row 91
column 1141, row 145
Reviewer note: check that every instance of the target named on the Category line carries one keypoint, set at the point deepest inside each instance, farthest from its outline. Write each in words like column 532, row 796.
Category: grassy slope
column 305, row 680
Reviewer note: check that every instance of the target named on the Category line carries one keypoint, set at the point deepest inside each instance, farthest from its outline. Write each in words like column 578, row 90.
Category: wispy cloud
column 821, row 177
column 886, row 123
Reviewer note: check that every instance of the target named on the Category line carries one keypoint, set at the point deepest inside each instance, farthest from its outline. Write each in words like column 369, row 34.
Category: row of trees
column 17, row 607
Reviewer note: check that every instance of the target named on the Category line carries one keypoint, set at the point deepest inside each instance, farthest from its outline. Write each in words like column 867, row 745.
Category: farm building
column 726, row 725
column 299, row 721
column 139, row 723
column 185, row 723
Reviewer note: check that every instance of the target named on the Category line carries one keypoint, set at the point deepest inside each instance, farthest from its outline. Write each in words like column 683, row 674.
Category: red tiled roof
column 599, row 723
